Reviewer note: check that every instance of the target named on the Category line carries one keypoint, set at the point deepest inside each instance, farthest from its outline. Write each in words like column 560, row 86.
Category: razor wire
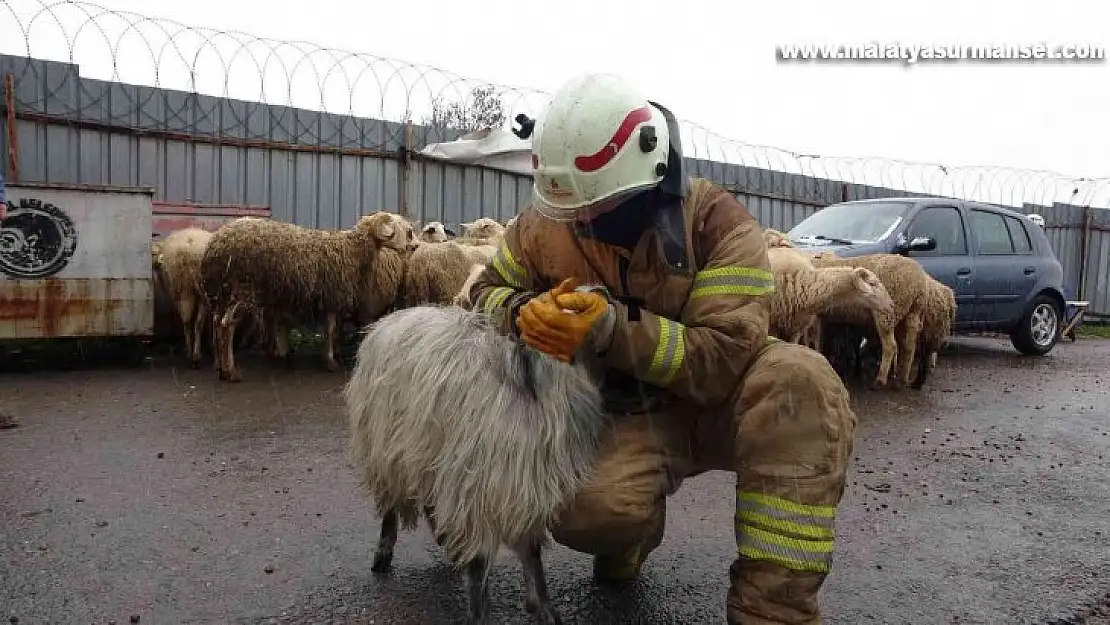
column 272, row 79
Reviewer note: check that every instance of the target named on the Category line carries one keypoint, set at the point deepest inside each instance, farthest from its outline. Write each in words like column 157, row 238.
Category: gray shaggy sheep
column 178, row 263
column 436, row 271
column 290, row 272
column 485, row 436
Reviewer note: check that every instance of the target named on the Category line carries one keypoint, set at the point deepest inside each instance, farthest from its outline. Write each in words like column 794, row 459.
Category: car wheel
column 1039, row 329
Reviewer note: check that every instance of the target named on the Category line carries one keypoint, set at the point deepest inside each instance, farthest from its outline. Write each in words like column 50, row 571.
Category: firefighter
column 662, row 276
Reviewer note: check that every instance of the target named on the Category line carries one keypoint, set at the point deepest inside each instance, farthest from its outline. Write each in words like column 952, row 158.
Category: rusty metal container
column 75, row 261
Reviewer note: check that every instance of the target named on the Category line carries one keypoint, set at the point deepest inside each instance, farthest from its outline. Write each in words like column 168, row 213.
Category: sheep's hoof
column 896, row 385
column 545, row 615
column 878, row 385
column 194, row 363
column 331, row 366
column 231, row 376
column 382, row 562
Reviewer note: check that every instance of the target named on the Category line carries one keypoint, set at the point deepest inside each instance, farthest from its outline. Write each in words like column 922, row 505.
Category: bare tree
column 482, row 110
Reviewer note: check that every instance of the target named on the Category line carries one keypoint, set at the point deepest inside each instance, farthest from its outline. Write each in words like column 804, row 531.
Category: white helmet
column 1037, row 219
column 599, row 139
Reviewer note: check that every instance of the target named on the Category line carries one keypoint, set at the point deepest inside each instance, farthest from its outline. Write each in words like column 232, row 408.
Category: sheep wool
column 938, row 313
column 802, row 293
column 905, row 279
column 436, row 271
column 289, row 271
column 179, row 264
column 463, row 297
column 482, row 231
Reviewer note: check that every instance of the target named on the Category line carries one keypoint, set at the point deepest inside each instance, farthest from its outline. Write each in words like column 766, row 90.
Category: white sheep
column 435, row 232
column 803, row 292
column 436, row 271
column 938, row 313
column 906, row 281
column 481, row 231
column 483, row 435
column 178, row 262
column 290, row 272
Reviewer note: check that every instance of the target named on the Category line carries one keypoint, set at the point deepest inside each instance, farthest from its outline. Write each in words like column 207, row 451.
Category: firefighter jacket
column 686, row 276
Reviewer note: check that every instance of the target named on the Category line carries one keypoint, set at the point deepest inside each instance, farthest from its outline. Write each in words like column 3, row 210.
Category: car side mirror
column 918, row 244
column 922, row 244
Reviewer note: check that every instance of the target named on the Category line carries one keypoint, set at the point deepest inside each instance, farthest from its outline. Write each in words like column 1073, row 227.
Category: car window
column 943, row 223
column 991, row 235
column 1019, row 235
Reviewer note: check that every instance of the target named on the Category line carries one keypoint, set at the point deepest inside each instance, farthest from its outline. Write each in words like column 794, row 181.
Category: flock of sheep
column 891, row 298
column 270, row 276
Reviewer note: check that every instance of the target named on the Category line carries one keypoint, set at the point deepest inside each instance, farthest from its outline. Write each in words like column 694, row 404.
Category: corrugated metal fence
column 317, row 169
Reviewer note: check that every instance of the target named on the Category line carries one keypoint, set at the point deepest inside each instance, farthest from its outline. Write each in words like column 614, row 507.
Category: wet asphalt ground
column 158, row 495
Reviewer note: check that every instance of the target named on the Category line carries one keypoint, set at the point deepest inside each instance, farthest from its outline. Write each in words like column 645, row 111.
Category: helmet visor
column 586, row 212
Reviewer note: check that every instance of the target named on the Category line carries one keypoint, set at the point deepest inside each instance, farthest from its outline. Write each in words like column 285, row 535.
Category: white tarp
column 499, row 149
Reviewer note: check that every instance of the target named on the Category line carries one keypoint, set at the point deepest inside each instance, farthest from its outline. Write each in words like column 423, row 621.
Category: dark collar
column 625, row 226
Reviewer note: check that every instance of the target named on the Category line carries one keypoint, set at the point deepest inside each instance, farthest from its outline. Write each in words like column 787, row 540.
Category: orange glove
column 545, row 326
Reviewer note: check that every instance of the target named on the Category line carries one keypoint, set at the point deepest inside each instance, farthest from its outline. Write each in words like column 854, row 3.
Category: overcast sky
column 714, row 63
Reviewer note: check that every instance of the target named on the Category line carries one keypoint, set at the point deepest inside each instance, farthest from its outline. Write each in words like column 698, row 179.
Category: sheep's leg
column 186, row 308
column 890, row 352
column 387, row 540
column 537, row 601
column 225, row 339
column 477, row 591
column 922, row 370
column 331, row 323
column 278, row 339
column 429, row 516
column 200, row 317
column 907, row 347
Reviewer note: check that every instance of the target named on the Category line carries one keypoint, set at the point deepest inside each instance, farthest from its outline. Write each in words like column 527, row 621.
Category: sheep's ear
column 863, row 280
column 449, row 232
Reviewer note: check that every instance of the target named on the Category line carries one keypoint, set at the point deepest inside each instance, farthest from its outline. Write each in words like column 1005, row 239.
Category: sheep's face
column 774, row 238
column 434, row 232
column 483, row 228
column 871, row 291
column 388, row 230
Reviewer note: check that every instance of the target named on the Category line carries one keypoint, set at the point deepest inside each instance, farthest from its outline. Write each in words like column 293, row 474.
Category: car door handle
column 1029, row 271
column 963, row 271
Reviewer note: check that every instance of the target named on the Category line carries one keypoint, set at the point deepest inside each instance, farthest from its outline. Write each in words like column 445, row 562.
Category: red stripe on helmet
column 601, row 158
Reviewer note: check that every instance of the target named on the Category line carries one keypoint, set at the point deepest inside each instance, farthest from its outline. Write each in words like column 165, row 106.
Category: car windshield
column 845, row 224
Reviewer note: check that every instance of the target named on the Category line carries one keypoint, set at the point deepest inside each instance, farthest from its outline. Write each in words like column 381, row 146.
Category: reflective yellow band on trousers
column 495, row 297
column 670, row 351
column 732, row 281
column 793, row 535
column 508, row 268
